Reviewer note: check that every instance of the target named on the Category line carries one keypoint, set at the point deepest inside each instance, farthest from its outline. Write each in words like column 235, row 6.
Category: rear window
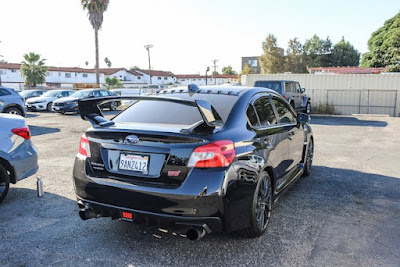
column 4, row 92
column 146, row 111
column 159, row 112
column 274, row 85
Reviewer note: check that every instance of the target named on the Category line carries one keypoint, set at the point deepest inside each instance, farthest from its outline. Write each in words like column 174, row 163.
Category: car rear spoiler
column 89, row 109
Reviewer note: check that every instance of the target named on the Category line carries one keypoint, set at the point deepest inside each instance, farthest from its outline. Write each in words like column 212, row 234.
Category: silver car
column 11, row 102
column 18, row 155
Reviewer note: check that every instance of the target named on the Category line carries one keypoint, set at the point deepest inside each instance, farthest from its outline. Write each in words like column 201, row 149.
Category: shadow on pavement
column 345, row 121
column 40, row 130
column 333, row 217
column 30, row 115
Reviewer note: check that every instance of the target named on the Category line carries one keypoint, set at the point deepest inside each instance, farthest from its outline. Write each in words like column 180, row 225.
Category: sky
column 186, row 34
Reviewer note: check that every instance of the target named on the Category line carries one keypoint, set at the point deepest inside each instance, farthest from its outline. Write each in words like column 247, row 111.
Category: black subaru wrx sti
column 196, row 159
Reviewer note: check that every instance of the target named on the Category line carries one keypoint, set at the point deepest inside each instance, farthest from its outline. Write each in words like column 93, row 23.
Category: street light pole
column 147, row 47
column 208, row 68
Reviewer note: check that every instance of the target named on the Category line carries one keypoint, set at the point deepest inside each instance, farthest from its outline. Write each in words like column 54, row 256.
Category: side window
column 298, row 88
column 252, row 116
column 96, row 93
column 289, row 87
column 264, row 111
column 35, row 94
column 284, row 113
column 104, row 93
column 4, row 92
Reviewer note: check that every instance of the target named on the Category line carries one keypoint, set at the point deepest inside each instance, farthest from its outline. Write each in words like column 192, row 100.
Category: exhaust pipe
column 87, row 213
column 195, row 233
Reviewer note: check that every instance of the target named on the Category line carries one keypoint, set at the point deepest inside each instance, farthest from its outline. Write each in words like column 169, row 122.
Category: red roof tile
column 157, row 73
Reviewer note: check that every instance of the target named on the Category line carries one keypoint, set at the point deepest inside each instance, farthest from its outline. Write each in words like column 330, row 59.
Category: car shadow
column 30, row 115
column 40, row 130
column 332, row 212
column 345, row 121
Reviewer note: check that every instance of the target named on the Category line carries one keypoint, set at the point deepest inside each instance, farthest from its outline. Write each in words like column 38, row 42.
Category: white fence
column 348, row 94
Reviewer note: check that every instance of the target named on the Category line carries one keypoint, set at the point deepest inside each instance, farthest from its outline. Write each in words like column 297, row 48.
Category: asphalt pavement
column 346, row 213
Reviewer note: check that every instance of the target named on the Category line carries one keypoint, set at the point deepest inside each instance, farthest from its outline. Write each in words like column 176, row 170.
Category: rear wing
column 89, row 109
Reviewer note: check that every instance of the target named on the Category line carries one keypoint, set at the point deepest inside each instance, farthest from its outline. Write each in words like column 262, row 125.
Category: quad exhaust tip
column 195, row 233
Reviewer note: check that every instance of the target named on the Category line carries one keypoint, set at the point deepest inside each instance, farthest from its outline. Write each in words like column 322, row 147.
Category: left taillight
column 213, row 155
column 23, row 132
column 84, row 148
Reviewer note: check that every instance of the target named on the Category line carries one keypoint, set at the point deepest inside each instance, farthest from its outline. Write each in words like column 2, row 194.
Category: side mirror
column 302, row 90
column 303, row 118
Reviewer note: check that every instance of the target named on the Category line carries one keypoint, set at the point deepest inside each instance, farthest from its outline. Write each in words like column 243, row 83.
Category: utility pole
column 207, row 70
column 215, row 70
column 147, row 47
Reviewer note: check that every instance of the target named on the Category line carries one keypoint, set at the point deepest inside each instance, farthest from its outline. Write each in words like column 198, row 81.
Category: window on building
column 193, row 79
column 85, row 75
column 159, row 78
column 67, row 75
column 165, row 78
column 13, row 70
column 76, row 74
column 59, row 74
column 138, row 77
column 252, row 62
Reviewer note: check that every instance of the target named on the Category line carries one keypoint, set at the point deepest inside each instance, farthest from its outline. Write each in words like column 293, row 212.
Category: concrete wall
column 347, row 93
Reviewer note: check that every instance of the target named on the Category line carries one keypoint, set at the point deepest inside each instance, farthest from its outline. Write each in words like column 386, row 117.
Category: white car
column 45, row 101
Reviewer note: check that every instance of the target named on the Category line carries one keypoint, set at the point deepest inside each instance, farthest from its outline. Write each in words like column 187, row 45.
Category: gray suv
column 18, row 155
column 11, row 102
column 291, row 91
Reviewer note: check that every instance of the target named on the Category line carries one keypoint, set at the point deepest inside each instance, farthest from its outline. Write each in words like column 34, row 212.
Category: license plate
column 29, row 106
column 132, row 162
column 56, row 108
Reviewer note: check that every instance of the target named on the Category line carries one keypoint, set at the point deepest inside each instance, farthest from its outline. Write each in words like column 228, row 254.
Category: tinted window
column 274, row 85
column 96, row 93
column 4, row 92
column 252, row 116
column 298, row 88
column 222, row 103
column 284, row 113
column 264, row 111
column 289, row 87
column 104, row 93
column 159, row 112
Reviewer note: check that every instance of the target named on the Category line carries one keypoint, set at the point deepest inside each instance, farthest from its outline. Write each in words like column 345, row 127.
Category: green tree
column 95, row 10
column 344, row 54
column 246, row 70
column 317, row 52
column 112, row 82
column 228, row 70
column 33, row 69
column 134, row 68
column 384, row 46
column 271, row 60
column 294, row 61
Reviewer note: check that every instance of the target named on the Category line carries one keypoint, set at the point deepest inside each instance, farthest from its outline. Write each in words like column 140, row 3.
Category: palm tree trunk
column 96, row 40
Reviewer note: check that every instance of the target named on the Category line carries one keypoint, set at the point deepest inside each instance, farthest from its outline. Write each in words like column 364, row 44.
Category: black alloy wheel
column 309, row 158
column 261, row 207
column 113, row 105
column 4, row 183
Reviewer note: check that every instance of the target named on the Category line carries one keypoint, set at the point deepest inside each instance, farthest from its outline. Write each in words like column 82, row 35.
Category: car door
column 270, row 140
column 288, row 121
column 299, row 96
column 3, row 98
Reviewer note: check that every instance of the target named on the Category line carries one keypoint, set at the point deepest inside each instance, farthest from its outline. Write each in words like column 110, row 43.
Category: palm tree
column 95, row 10
column 33, row 69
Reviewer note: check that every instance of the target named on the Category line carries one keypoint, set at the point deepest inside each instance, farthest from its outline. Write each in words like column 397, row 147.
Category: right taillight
column 84, row 148
column 23, row 132
column 212, row 155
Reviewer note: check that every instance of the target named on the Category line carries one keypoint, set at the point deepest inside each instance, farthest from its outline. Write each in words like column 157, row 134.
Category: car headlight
column 70, row 103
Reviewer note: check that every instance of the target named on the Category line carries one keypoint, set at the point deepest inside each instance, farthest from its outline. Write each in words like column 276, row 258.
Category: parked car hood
column 40, row 99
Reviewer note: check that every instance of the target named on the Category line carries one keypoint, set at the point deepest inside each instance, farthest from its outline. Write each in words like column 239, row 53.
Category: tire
column 309, row 159
column 308, row 108
column 4, row 183
column 113, row 106
column 260, row 208
column 13, row 110
column 49, row 106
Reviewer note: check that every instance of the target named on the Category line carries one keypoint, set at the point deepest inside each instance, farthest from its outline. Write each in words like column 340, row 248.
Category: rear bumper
column 143, row 217
column 24, row 161
column 198, row 200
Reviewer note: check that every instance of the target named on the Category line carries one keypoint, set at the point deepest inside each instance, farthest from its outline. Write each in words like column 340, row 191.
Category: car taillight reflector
column 215, row 154
column 23, row 132
column 84, row 148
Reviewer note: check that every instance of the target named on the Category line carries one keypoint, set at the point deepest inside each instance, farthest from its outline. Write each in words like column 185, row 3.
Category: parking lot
column 347, row 213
